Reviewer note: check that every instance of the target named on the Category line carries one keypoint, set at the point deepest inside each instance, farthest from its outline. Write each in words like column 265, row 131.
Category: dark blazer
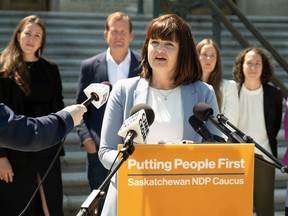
column 273, row 106
column 94, row 70
column 26, row 134
column 272, row 113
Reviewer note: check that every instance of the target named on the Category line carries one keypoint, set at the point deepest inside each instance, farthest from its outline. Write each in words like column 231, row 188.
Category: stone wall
column 248, row 7
column 264, row 7
column 109, row 6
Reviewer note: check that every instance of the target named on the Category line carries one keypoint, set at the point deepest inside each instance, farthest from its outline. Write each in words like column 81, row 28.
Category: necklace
column 165, row 96
column 30, row 64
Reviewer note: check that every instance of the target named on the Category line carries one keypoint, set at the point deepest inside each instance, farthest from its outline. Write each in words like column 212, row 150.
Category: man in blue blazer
column 117, row 62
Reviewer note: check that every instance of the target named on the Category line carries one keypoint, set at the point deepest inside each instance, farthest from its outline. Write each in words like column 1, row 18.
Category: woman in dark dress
column 30, row 85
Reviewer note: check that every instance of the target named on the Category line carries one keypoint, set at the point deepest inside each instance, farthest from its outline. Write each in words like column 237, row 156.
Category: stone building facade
column 248, row 7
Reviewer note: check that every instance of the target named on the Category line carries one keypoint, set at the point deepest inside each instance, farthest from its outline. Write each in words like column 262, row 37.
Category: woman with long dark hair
column 30, row 85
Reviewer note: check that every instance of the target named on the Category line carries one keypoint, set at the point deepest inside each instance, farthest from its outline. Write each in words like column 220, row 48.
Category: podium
column 187, row 180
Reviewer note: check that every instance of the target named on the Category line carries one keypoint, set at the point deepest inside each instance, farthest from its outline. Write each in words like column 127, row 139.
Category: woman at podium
column 169, row 83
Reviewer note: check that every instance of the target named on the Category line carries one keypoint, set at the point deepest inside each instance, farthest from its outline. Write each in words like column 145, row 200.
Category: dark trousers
column 264, row 180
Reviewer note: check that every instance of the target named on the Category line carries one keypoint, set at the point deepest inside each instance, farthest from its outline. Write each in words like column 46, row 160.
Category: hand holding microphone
column 76, row 111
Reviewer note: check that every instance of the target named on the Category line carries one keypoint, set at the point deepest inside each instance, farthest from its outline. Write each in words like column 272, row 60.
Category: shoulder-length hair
column 12, row 62
column 172, row 27
column 216, row 77
column 267, row 67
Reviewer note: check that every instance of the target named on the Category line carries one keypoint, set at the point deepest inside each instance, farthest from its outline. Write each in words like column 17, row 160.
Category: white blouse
column 230, row 101
column 168, row 122
column 252, row 121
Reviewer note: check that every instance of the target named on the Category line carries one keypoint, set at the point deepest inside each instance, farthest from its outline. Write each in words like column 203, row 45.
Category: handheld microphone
column 97, row 94
column 204, row 112
column 136, row 127
column 201, row 128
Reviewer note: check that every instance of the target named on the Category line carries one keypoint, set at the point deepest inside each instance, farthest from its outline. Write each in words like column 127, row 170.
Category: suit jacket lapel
column 189, row 96
column 141, row 91
column 134, row 70
column 102, row 67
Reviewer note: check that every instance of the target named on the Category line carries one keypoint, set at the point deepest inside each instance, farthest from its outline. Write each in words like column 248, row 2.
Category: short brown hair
column 172, row 27
column 116, row 17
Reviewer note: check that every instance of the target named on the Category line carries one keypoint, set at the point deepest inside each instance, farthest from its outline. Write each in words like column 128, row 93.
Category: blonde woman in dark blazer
column 30, row 85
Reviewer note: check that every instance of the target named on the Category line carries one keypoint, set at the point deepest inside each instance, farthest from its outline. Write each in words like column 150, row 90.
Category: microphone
column 97, row 94
column 136, row 127
column 247, row 139
column 204, row 112
column 201, row 128
column 224, row 120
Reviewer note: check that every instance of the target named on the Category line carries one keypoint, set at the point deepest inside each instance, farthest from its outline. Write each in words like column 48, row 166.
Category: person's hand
column 90, row 146
column 6, row 171
column 76, row 111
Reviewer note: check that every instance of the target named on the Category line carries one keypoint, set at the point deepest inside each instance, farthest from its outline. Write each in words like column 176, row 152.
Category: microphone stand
column 278, row 164
column 90, row 205
column 232, row 136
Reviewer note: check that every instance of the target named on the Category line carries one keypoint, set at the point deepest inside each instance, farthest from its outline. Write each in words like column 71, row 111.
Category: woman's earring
column 39, row 52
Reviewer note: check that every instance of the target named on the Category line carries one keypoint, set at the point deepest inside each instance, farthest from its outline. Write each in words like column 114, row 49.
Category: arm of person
column 86, row 140
column 112, row 121
column 6, row 170
column 230, row 105
column 211, row 100
column 90, row 146
column 34, row 134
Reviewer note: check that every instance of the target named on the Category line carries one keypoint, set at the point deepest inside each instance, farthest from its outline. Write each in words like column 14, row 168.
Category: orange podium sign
column 187, row 180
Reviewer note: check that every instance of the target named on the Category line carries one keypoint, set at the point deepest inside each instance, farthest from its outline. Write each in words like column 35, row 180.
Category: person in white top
column 261, row 114
column 225, row 90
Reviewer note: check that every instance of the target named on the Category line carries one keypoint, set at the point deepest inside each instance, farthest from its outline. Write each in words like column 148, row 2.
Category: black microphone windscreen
column 148, row 111
column 202, row 111
column 195, row 122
